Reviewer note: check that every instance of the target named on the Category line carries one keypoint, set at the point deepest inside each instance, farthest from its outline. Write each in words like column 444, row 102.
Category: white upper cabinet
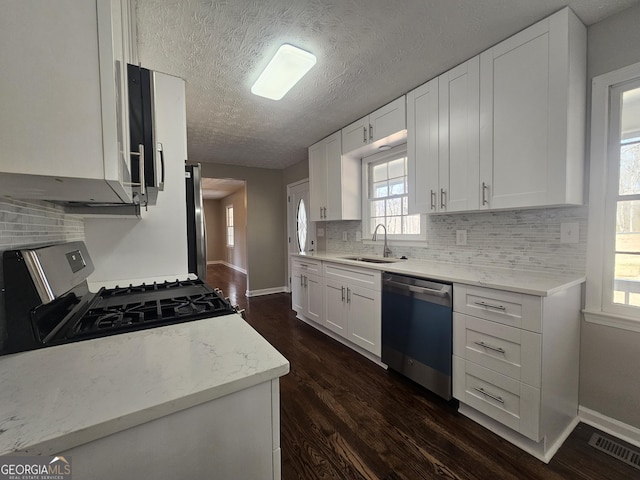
column 385, row 126
column 459, row 135
column 532, row 116
column 443, row 143
column 422, row 147
column 334, row 182
column 64, row 134
column 318, row 181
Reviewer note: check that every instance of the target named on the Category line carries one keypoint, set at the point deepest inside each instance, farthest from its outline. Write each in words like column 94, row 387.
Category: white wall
column 609, row 380
column 215, row 217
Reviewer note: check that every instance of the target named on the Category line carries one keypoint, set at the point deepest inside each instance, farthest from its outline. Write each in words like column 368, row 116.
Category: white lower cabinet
column 354, row 312
column 515, row 364
column 307, row 289
column 353, row 305
column 341, row 300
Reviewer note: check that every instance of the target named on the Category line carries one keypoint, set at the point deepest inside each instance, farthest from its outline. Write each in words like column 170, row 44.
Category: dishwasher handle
column 424, row 290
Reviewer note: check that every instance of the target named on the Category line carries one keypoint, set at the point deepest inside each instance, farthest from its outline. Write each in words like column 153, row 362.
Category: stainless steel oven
column 417, row 329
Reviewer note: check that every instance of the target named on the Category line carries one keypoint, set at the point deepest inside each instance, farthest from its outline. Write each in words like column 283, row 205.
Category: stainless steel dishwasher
column 417, row 330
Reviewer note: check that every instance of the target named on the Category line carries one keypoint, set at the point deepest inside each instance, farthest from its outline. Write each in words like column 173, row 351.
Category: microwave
column 147, row 158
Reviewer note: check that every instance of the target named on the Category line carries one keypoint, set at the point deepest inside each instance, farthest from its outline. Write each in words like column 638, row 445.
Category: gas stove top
column 144, row 306
column 38, row 315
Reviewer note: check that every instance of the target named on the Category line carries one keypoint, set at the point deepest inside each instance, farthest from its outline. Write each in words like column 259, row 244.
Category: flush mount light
column 285, row 69
column 384, row 148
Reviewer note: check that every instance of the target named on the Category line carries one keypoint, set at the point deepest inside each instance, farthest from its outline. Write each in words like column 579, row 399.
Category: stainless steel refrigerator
column 196, row 227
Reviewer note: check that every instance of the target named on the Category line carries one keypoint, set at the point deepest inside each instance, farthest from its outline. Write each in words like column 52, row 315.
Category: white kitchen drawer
column 510, row 351
column 364, row 277
column 307, row 265
column 512, row 403
column 514, row 309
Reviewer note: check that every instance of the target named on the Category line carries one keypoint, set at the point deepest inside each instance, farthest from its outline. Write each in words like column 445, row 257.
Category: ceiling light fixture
column 285, row 69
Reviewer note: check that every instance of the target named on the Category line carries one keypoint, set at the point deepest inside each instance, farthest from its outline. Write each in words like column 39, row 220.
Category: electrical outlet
column 358, row 236
column 344, row 236
column 461, row 237
column 569, row 232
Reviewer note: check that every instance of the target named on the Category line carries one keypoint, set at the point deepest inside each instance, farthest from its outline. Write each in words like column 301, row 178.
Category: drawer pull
column 490, row 347
column 490, row 395
column 491, row 305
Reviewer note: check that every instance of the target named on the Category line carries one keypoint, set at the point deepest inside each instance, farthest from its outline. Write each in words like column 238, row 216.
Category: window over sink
column 386, row 197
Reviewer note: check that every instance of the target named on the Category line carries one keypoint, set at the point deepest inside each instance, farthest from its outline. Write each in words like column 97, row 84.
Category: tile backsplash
column 33, row 224
column 524, row 239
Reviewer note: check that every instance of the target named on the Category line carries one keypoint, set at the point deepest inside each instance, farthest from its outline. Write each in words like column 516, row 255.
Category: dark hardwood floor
column 343, row 417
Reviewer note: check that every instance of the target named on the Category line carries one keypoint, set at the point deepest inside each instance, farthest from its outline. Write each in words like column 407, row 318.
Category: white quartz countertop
column 56, row 398
column 513, row 280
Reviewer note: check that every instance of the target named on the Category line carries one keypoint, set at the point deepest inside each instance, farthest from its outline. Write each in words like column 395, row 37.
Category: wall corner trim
column 618, row 429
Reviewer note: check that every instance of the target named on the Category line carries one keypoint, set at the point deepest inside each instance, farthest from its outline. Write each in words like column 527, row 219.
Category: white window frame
column 229, row 230
column 405, row 240
column 599, row 307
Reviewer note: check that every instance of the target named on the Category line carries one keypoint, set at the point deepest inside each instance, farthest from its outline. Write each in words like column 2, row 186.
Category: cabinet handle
column 490, row 347
column 140, row 155
column 491, row 305
column 348, row 295
column 160, row 149
column 443, row 195
column 325, row 212
column 320, row 212
column 433, row 200
column 490, row 395
column 302, row 280
column 370, row 133
column 485, row 189
column 343, row 294
column 364, row 134
column 306, row 281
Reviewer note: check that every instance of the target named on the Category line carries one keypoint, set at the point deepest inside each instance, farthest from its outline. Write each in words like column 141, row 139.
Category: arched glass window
column 301, row 225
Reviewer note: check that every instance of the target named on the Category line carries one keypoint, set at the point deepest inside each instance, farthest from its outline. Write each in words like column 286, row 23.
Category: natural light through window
column 301, row 225
column 626, row 281
column 389, row 197
column 230, row 235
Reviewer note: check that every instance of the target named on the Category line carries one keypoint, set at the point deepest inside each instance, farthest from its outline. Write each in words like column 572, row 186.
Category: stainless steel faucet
column 386, row 251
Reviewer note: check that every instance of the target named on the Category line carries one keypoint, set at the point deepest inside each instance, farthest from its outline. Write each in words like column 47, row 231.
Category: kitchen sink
column 372, row 259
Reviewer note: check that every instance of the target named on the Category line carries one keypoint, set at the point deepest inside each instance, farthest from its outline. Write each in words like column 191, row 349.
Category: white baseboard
column 222, row 262
column 623, row 431
column 265, row 291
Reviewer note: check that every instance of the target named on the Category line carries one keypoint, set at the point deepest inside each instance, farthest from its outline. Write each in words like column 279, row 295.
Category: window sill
column 612, row 320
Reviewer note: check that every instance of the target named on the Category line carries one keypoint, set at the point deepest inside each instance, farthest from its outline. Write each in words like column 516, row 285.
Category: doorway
column 225, row 208
column 301, row 231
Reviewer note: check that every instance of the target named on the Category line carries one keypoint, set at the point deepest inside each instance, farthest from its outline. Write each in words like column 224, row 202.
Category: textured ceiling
column 216, row 188
column 369, row 52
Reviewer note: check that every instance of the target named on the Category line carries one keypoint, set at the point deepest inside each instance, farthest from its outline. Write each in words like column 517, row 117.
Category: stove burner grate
column 119, row 291
column 103, row 320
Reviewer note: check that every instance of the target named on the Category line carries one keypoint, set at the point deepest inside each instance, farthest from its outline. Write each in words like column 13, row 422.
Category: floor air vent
column 627, row 455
